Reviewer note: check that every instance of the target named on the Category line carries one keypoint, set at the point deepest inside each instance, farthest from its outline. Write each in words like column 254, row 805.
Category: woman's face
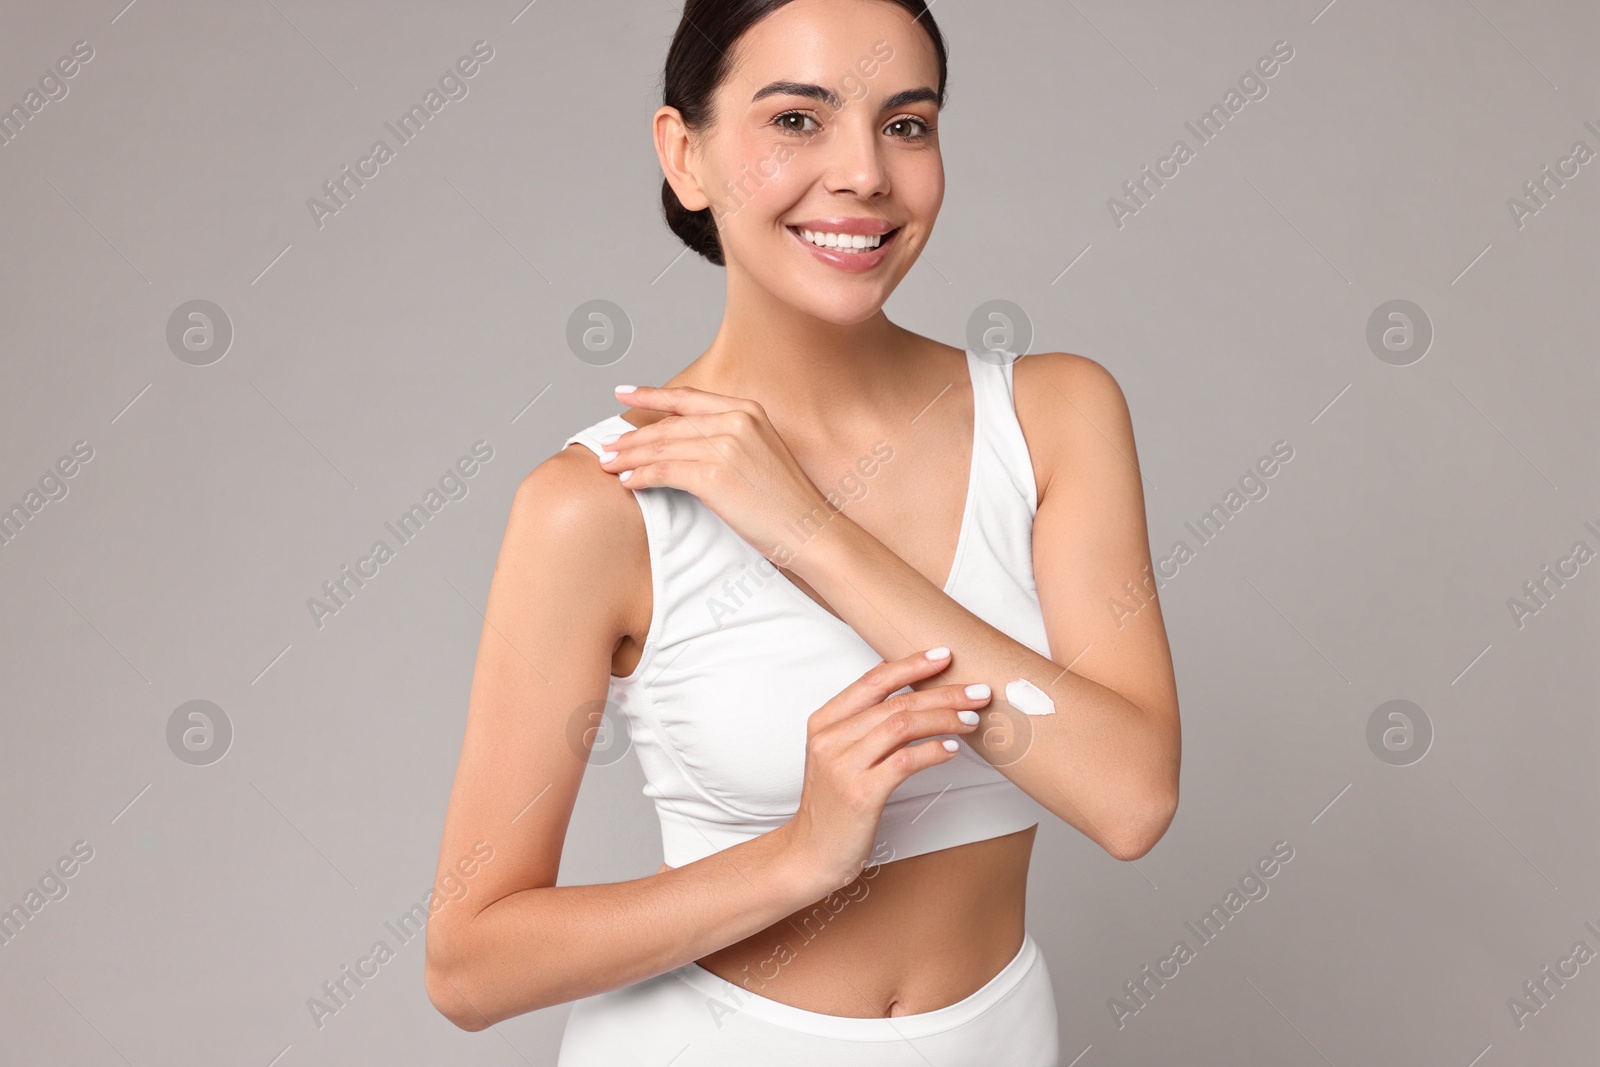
column 826, row 123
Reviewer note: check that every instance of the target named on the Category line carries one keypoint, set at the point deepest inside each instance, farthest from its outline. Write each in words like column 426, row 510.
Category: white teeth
column 850, row 241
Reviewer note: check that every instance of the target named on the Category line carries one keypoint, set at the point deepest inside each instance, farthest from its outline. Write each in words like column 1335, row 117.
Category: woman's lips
column 849, row 262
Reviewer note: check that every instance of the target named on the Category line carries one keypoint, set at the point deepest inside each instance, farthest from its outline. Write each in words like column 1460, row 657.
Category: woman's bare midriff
column 906, row 937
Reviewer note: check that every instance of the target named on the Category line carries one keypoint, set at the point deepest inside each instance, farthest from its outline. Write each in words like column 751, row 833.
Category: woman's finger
column 877, row 683
column 678, row 427
column 946, row 700
column 903, row 729
column 683, row 400
column 674, row 462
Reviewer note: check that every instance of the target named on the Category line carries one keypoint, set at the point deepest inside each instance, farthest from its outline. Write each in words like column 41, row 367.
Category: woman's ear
column 676, row 153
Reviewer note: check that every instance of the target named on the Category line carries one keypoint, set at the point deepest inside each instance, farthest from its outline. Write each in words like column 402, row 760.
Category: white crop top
column 737, row 658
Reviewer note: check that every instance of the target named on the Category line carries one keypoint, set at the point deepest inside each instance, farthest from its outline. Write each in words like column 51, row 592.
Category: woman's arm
column 509, row 941
column 1107, row 760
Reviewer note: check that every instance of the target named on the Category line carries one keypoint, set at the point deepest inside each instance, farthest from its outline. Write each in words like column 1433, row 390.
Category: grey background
column 431, row 313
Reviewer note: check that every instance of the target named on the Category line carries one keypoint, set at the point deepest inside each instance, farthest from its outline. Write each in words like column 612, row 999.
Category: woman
column 870, row 604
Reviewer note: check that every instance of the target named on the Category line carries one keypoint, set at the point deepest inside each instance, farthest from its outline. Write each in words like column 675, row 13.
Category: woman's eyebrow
column 831, row 99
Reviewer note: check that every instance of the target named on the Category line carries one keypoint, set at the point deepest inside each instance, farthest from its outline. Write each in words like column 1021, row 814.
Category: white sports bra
column 737, row 658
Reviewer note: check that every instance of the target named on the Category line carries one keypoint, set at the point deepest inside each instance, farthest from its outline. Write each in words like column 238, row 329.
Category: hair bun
column 697, row 229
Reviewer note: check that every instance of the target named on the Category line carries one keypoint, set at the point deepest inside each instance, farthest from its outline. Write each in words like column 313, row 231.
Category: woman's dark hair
column 697, row 62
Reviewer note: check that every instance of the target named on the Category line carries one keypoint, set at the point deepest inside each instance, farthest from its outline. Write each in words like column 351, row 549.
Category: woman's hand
column 724, row 450
column 859, row 748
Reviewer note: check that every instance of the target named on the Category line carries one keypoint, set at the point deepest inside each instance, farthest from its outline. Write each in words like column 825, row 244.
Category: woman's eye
column 919, row 128
column 795, row 122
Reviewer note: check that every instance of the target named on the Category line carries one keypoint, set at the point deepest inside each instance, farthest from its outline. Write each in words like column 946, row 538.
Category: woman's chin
column 843, row 312
column 844, row 301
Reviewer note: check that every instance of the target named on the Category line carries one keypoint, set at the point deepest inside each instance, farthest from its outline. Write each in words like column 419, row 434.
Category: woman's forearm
column 1099, row 762
column 545, row 946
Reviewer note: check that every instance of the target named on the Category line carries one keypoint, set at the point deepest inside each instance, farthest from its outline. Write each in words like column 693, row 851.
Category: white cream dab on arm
column 1029, row 698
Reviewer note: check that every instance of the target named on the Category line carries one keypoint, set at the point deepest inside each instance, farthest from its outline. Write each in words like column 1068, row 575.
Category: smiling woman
column 920, row 675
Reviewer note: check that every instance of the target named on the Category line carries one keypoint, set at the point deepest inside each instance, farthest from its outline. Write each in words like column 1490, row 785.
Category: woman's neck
column 806, row 372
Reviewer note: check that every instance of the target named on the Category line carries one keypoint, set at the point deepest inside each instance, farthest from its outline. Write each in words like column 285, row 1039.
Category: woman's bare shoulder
column 1064, row 383
column 572, row 488
column 573, row 523
column 1070, row 407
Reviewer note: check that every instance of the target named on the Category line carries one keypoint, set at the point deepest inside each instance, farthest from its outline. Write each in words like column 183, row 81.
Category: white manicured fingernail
column 607, row 457
column 977, row 691
column 951, row 746
column 937, row 653
column 625, row 388
column 968, row 717
column 624, row 476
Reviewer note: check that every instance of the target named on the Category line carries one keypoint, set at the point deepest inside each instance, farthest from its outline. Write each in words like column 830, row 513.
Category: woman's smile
column 841, row 244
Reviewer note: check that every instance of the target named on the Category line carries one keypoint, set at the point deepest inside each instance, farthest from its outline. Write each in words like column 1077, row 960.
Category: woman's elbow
column 1139, row 834
column 442, row 977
